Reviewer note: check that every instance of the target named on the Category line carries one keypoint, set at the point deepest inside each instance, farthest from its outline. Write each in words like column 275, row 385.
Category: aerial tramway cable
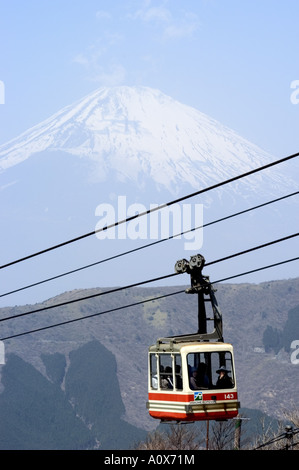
column 140, row 302
column 175, row 201
column 148, row 245
column 140, row 283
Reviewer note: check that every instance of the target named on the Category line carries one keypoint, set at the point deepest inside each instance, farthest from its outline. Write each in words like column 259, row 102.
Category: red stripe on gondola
column 183, row 397
column 171, row 397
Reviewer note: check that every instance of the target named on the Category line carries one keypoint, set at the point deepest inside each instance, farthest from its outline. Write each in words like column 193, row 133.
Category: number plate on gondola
column 198, row 398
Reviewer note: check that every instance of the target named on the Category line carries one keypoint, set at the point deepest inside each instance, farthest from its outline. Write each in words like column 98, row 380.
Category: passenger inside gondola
column 199, row 379
column 224, row 381
column 166, row 378
column 178, row 378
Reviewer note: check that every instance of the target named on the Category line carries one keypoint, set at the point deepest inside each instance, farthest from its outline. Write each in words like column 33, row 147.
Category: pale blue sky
column 233, row 60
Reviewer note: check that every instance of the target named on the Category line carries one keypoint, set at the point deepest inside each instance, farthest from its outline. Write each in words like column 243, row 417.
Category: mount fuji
column 137, row 133
column 137, row 144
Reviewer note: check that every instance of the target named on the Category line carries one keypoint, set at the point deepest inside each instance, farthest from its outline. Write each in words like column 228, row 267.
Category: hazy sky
column 233, row 60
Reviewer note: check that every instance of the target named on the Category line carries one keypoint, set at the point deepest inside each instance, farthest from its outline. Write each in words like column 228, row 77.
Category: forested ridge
column 84, row 385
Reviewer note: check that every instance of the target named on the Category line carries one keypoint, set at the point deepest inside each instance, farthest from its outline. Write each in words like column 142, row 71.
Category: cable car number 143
column 229, row 396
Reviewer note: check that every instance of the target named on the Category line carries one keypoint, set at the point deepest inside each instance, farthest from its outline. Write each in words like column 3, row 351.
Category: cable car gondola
column 192, row 377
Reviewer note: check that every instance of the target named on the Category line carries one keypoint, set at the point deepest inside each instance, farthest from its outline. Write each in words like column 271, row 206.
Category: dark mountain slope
column 37, row 414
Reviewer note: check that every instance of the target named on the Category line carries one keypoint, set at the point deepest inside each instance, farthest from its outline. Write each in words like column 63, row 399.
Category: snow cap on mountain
column 137, row 133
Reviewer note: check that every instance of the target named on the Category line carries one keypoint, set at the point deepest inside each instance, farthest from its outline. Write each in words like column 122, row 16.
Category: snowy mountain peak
column 137, row 133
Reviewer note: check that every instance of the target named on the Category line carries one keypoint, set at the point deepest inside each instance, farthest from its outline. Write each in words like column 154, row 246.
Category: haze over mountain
column 119, row 147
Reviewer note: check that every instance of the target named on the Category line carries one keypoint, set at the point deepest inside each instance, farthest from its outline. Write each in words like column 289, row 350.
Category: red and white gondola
column 192, row 377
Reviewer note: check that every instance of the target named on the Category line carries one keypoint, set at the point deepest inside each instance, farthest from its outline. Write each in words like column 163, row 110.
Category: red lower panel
column 203, row 416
